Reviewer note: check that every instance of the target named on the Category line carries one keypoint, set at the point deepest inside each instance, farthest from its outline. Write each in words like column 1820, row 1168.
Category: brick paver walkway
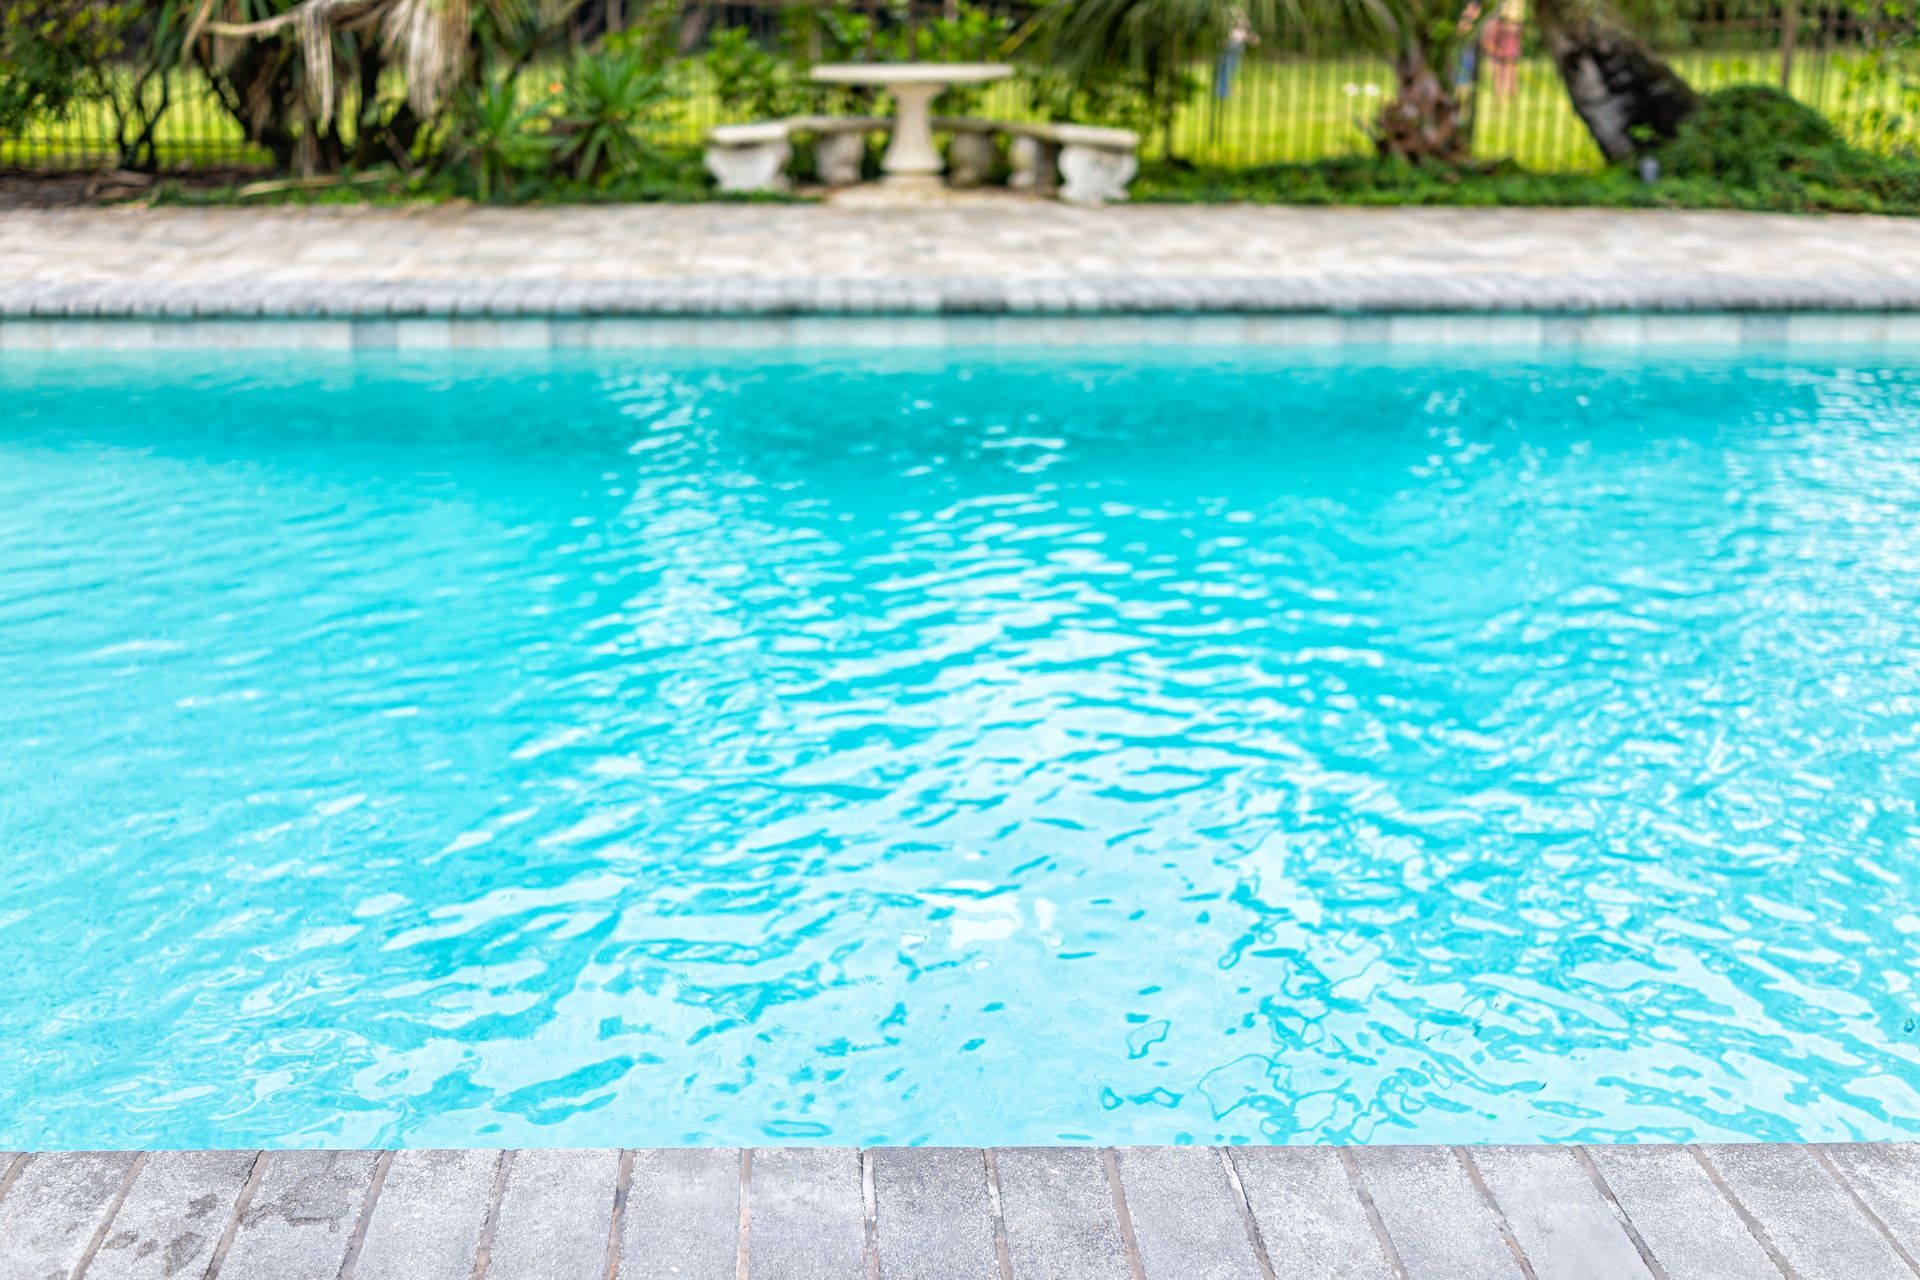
column 1008, row 255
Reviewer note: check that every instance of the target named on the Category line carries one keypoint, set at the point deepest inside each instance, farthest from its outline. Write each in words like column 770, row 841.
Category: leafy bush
column 610, row 102
column 1368, row 180
column 1782, row 154
column 1744, row 148
column 766, row 83
column 1124, row 101
column 750, row 79
column 1750, row 135
column 498, row 141
column 590, row 131
column 967, row 34
column 52, row 53
column 1880, row 83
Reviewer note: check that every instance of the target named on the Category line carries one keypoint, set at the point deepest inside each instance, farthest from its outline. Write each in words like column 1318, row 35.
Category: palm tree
column 1094, row 44
column 1624, row 93
column 277, row 66
column 1422, row 39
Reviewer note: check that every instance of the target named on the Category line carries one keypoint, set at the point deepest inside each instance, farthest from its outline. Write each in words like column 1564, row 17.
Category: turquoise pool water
column 1131, row 746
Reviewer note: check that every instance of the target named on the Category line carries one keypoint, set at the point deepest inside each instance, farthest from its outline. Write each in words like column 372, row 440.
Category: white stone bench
column 839, row 144
column 1087, row 164
column 1091, row 163
column 1095, row 162
column 746, row 158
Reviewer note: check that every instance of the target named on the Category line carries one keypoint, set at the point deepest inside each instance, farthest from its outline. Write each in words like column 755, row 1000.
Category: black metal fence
column 1311, row 101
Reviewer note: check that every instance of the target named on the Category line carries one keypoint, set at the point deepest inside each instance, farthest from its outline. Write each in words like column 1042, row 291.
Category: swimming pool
column 1126, row 746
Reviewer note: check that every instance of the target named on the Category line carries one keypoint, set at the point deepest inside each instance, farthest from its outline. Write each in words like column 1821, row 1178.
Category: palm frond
column 429, row 38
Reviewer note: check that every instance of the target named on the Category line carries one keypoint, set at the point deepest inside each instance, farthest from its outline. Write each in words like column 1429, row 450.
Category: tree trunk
column 1424, row 121
column 1626, row 95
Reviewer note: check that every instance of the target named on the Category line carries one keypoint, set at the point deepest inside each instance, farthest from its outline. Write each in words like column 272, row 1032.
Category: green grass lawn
column 1288, row 110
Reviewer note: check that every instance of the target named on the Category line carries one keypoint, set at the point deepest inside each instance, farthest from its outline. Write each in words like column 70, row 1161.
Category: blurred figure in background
column 1504, row 39
column 1230, row 54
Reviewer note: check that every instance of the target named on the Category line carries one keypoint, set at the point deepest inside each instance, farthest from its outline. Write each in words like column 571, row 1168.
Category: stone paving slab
column 556, row 1214
column 427, row 1221
column 1017, row 256
column 303, row 1216
column 1310, row 1211
column 174, row 1215
column 1053, row 1213
column 934, row 1214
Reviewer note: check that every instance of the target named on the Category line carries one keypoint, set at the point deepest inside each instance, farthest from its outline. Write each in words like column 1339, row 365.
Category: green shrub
column 1745, row 148
column 1750, row 135
column 749, row 79
column 53, row 54
column 1778, row 153
column 609, row 105
column 498, row 142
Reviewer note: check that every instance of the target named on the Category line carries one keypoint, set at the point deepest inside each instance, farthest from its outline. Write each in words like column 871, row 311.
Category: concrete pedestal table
column 910, row 156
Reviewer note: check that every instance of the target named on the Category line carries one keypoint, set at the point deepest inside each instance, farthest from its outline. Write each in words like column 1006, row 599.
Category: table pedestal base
column 911, row 159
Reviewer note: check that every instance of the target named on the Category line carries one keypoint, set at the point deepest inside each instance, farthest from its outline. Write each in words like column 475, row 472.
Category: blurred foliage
column 768, row 80
column 497, row 142
column 609, row 104
column 1747, row 148
column 1783, row 154
column 672, row 174
column 1151, row 45
column 1888, row 57
column 518, row 136
column 752, row 79
column 52, row 53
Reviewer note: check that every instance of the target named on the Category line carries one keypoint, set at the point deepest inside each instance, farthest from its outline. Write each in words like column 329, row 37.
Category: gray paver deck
column 807, row 1216
column 683, row 1213
column 1560, row 1219
column 933, row 1214
column 1440, row 1224
column 1675, row 1207
column 427, row 1220
column 979, row 256
column 176, row 1210
column 54, row 1209
column 1807, row 1213
column 1060, row 1214
column 555, row 1218
column 302, row 1216
column 1187, row 1218
column 1064, row 1213
column 1310, row 1215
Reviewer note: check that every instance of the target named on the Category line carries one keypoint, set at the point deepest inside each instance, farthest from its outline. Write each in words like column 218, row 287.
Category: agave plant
column 608, row 104
column 498, row 138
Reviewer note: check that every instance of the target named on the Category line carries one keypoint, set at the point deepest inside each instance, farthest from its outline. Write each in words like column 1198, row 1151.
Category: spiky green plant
column 497, row 138
column 610, row 103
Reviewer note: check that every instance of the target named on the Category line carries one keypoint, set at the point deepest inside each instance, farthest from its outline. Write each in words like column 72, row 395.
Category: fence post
column 1789, row 37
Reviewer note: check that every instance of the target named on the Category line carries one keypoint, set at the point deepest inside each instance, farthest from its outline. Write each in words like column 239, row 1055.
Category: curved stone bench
column 748, row 158
column 1086, row 164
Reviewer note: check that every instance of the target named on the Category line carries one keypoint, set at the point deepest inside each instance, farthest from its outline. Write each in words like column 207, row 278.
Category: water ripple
column 620, row 750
